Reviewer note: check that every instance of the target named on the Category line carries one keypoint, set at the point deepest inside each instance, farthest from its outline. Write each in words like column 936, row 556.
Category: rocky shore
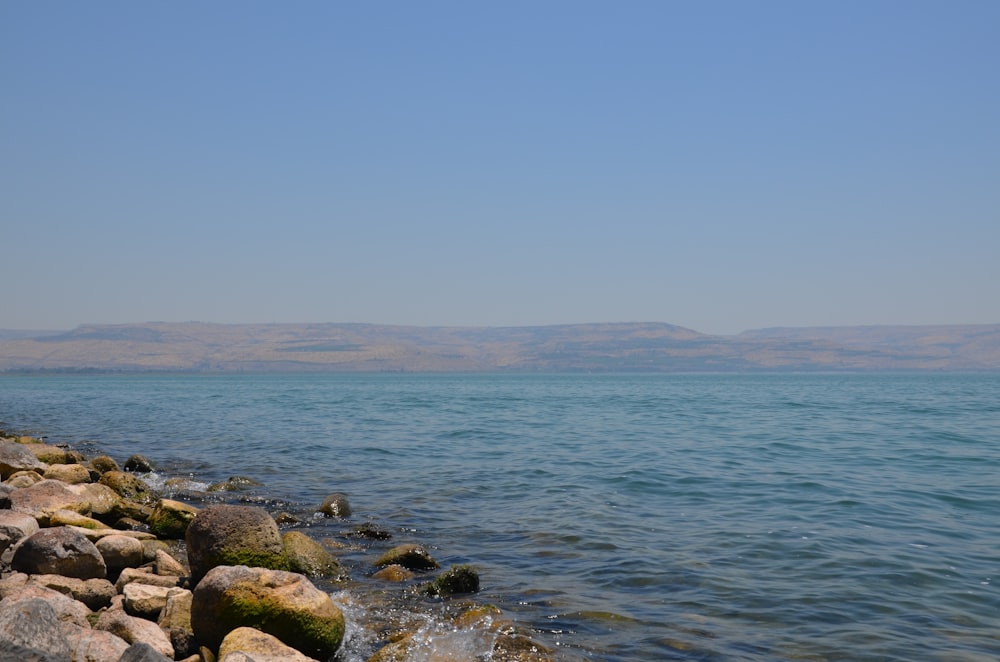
column 97, row 565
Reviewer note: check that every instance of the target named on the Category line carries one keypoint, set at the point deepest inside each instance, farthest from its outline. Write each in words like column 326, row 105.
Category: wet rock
column 457, row 579
column 14, row 527
column 102, row 464
column 394, row 573
column 234, row 484
column 61, row 551
column 286, row 518
column 410, row 555
column 50, row 454
column 16, row 457
column 138, row 464
column 259, row 647
column 33, row 624
column 371, row 532
column 89, row 645
column 68, row 473
column 233, row 535
column 335, row 505
column 283, row 604
column 170, row 519
column 308, row 557
column 130, row 487
column 135, row 630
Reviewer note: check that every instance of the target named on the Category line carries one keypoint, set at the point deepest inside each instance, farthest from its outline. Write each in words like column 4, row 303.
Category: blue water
column 702, row 517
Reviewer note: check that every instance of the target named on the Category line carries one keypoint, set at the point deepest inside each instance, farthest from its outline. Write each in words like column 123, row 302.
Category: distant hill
column 629, row 347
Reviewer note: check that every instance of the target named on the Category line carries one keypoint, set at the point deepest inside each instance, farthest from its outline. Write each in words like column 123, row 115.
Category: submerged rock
column 308, row 557
column 335, row 505
column 234, row 484
column 139, row 464
column 457, row 579
column 410, row 555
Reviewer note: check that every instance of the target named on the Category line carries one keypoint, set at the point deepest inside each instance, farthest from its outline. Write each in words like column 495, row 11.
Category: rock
column 120, row 552
column 233, row 535
column 335, row 505
column 95, row 593
column 60, row 551
column 5, row 491
column 65, row 517
column 170, row 519
column 67, row 609
column 165, row 564
column 130, row 524
column 130, row 487
column 308, row 557
column 371, row 531
column 89, row 645
column 394, row 573
column 44, row 498
column 102, row 464
column 411, row 556
column 23, row 479
column 457, row 579
column 105, row 504
column 49, row 454
column 143, row 576
column 259, row 647
column 33, row 624
column 283, row 604
column 15, row 527
column 234, row 484
column 143, row 652
column 175, row 620
column 139, row 464
column 135, row 630
column 16, row 457
column 285, row 517
column 68, row 473
column 145, row 601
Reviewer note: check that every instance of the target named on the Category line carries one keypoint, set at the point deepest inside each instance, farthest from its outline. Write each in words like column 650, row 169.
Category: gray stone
column 33, row 624
column 15, row 457
column 135, row 630
column 14, row 527
column 142, row 652
column 60, row 551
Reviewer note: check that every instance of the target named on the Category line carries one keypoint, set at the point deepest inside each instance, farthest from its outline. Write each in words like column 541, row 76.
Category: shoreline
column 399, row 605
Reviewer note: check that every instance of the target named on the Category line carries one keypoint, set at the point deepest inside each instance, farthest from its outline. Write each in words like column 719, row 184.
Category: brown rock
column 259, row 647
column 63, row 517
column 411, row 556
column 170, row 519
column 68, row 473
column 16, row 457
column 394, row 573
column 44, row 498
column 23, row 479
column 89, row 645
column 32, row 623
column 95, row 593
column 165, row 564
column 308, row 557
column 103, row 464
column 175, row 620
column 65, row 607
column 143, row 576
column 15, row 527
column 135, row 630
column 145, row 601
column 129, row 486
column 335, row 505
column 120, row 552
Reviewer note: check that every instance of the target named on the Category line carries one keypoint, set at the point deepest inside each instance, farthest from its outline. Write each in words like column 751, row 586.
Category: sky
column 718, row 165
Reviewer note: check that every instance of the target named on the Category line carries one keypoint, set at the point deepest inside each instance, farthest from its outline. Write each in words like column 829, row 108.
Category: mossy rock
column 130, row 487
column 283, row 604
column 170, row 519
column 457, row 579
column 411, row 556
column 308, row 557
column 139, row 464
column 233, row 535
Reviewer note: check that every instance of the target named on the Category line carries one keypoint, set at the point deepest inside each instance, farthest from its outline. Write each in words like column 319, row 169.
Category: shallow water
column 684, row 517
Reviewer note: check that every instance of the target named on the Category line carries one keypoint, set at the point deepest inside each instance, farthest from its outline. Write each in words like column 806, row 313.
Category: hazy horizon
column 718, row 166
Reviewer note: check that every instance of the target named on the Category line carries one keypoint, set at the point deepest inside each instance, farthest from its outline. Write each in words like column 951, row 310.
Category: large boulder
column 61, row 551
column 16, row 457
column 67, row 609
column 32, row 623
column 233, row 535
column 283, row 604
column 308, row 557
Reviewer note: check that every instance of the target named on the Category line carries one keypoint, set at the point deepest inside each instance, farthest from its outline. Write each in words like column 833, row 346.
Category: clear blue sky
column 718, row 165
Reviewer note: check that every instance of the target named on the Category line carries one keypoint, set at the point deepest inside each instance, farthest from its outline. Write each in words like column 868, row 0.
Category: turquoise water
column 702, row 517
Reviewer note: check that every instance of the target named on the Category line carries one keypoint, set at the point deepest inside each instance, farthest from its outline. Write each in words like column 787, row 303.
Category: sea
column 611, row 517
